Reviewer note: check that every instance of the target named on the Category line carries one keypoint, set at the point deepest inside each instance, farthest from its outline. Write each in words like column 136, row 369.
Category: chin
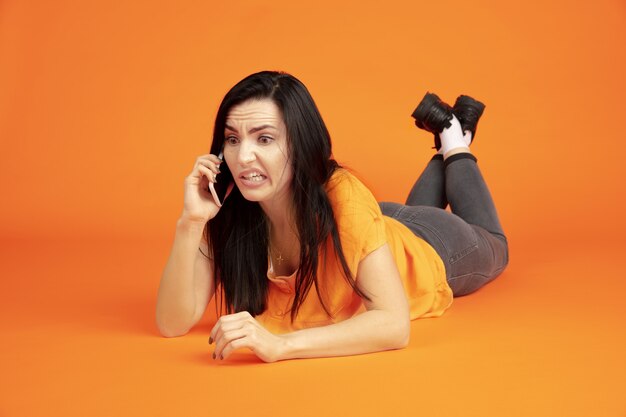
column 255, row 196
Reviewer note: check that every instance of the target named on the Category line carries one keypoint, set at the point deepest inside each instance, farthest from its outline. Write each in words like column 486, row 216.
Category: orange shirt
column 362, row 229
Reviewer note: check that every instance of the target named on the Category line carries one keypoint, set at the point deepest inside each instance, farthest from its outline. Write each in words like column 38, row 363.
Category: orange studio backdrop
column 104, row 106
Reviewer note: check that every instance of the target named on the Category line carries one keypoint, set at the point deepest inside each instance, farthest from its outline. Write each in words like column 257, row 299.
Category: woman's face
column 255, row 150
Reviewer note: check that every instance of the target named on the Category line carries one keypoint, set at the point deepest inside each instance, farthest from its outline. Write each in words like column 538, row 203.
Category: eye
column 265, row 140
column 231, row 140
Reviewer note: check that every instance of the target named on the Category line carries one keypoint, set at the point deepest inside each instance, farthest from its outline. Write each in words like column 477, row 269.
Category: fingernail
column 221, row 357
column 210, row 340
column 213, row 355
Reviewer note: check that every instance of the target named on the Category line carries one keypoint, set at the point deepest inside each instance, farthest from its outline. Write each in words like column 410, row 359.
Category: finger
column 215, row 159
column 242, row 342
column 227, row 339
column 216, row 331
column 228, row 322
column 210, row 164
column 246, row 325
column 211, row 175
column 209, row 158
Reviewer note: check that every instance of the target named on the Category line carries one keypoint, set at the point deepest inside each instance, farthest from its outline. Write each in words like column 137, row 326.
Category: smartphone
column 219, row 189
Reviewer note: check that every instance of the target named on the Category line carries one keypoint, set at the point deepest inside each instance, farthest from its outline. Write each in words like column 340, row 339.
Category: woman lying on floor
column 302, row 259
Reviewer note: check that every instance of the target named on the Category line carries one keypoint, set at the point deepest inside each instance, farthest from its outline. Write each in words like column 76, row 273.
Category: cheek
column 281, row 160
column 287, row 173
column 230, row 157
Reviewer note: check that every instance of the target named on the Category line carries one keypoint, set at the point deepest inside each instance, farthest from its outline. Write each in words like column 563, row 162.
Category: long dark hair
column 239, row 234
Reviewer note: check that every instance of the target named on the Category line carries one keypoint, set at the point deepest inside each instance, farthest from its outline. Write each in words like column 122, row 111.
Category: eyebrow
column 254, row 129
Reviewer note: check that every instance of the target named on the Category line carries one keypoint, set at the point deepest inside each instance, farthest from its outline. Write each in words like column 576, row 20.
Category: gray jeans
column 470, row 240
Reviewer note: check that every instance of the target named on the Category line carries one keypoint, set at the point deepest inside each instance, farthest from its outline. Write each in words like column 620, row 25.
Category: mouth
column 254, row 177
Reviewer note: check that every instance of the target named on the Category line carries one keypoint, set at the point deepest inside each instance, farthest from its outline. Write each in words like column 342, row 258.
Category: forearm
column 371, row 331
column 176, row 302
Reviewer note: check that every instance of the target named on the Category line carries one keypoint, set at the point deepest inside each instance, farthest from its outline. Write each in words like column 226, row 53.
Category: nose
column 247, row 152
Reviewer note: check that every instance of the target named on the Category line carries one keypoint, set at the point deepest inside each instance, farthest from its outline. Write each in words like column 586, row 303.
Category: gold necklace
column 278, row 258
column 273, row 249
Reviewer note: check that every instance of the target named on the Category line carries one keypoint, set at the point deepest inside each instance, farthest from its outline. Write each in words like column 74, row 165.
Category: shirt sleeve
column 358, row 216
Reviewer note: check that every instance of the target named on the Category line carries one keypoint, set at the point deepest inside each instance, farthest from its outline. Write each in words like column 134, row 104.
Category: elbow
column 402, row 332
column 398, row 332
column 404, row 341
column 171, row 327
column 170, row 331
column 403, row 336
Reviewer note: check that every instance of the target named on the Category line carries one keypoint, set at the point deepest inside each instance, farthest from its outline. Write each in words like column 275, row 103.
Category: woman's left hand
column 241, row 330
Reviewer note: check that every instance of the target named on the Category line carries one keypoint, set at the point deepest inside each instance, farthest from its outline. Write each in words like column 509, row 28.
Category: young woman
column 301, row 258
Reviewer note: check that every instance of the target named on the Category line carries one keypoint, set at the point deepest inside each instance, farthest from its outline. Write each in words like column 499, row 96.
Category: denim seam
column 462, row 254
column 468, row 275
column 498, row 269
column 396, row 213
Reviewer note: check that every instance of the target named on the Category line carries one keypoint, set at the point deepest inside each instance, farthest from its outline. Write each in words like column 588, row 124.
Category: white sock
column 453, row 137
column 467, row 138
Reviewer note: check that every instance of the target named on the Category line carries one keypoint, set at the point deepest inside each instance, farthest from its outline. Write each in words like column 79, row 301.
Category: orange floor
column 545, row 339
column 105, row 105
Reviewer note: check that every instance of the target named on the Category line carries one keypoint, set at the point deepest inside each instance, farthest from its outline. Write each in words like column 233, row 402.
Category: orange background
column 104, row 107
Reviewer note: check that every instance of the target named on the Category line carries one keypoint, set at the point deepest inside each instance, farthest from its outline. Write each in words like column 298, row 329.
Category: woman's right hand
column 199, row 205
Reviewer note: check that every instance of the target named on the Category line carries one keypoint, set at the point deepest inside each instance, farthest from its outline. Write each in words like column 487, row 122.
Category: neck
column 284, row 242
column 280, row 214
column 283, row 229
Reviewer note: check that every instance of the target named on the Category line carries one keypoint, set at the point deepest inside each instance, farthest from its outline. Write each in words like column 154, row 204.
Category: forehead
column 253, row 111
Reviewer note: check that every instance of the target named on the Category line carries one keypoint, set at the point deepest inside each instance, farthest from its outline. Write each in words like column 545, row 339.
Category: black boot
column 468, row 111
column 433, row 115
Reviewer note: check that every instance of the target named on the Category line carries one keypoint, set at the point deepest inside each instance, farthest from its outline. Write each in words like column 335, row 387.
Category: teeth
column 254, row 177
